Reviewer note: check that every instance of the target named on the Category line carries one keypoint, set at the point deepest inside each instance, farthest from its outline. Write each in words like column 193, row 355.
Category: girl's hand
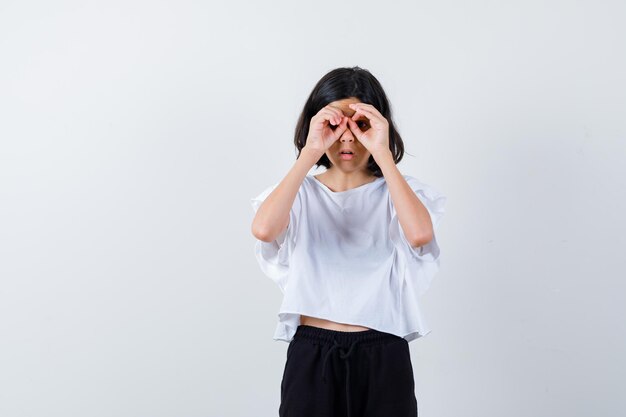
column 375, row 139
column 321, row 136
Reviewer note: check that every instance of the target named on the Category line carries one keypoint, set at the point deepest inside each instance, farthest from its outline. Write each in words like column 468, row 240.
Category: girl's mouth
column 346, row 156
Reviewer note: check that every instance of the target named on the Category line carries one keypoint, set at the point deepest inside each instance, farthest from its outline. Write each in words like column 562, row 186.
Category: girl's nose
column 347, row 136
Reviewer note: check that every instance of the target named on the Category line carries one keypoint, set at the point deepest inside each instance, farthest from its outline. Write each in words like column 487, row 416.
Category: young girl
column 352, row 249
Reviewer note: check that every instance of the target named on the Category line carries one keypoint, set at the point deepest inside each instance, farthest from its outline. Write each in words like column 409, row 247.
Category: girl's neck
column 341, row 181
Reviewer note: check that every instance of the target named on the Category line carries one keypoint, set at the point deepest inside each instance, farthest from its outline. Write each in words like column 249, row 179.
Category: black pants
column 331, row 373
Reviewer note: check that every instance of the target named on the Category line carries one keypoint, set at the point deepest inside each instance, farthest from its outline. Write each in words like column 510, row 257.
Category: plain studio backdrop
column 134, row 134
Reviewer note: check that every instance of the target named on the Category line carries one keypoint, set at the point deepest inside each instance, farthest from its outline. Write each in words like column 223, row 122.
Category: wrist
column 310, row 154
column 383, row 156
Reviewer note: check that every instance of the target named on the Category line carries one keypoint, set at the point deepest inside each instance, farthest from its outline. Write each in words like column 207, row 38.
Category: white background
column 134, row 133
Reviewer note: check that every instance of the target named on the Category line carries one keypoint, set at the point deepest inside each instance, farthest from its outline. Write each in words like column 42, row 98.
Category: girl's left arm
column 412, row 214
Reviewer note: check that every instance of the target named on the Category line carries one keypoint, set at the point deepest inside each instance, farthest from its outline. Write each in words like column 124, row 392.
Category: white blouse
column 344, row 257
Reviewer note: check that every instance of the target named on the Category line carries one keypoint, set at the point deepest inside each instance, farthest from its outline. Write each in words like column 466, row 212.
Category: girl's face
column 358, row 160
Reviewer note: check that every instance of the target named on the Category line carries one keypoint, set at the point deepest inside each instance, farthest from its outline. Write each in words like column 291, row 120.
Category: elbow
column 266, row 234
column 421, row 239
column 260, row 233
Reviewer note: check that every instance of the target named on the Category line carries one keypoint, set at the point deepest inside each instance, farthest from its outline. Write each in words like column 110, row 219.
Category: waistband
column 362, row 338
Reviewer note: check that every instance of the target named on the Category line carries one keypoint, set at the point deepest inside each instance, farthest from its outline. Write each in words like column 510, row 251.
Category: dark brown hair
column 339, row 84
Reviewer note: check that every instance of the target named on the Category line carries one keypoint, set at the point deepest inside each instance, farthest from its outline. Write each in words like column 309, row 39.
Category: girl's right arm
column 272, row 216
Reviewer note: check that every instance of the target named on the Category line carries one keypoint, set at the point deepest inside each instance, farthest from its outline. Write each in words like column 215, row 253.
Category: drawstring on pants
column 343, row 355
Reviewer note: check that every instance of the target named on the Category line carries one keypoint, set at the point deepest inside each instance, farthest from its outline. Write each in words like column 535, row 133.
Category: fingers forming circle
column 341, row 127
column 370, row 112
column 338, row 114
column 354, row 128
column 330, row 115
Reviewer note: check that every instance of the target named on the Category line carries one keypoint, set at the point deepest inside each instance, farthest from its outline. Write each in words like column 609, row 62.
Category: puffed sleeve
column 419, row 265
column 273, row 257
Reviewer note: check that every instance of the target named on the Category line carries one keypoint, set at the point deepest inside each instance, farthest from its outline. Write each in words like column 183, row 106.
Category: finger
column 366, row 111
column 335, row 109
column 373, row 119
column 360, row 111
column 341, row 128
column 337, row 114
column 366, row 107
column 357, row 114
column 355, row 128
column 370, row 112
column 331, row 116
column 337, row 117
